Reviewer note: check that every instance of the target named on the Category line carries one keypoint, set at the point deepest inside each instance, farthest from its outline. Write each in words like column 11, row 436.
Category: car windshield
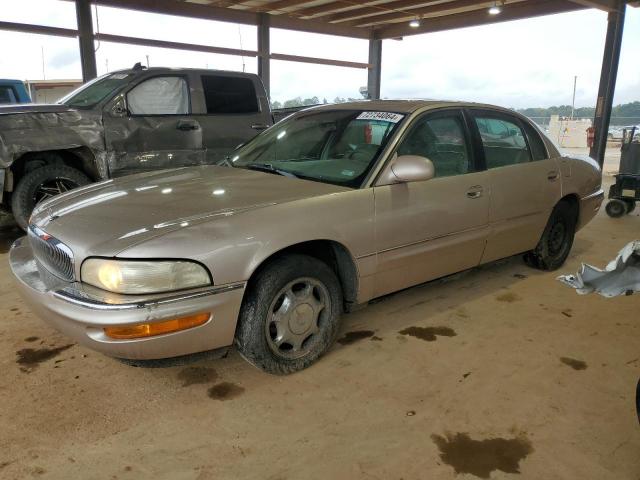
column 95, row 91
column 337, row 146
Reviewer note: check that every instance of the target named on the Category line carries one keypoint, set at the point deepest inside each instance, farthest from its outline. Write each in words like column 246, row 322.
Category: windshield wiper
column 266, row 167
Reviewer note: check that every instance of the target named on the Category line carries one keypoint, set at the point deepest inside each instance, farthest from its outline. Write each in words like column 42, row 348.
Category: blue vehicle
column 13, row 91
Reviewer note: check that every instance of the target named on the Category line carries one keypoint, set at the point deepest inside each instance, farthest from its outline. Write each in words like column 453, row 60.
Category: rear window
column 229, row 94
column 538, row 150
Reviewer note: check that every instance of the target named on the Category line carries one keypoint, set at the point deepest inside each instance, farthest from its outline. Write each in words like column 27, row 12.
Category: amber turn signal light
column 158, row 328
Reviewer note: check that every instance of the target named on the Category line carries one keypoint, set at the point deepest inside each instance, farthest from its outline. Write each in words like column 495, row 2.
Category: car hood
column 106, row 218
column 34, row 108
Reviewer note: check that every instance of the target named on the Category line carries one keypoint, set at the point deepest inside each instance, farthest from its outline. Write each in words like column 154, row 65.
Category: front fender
column 234, row 246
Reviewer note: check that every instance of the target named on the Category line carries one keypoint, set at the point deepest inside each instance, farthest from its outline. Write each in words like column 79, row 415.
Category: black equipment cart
column 624, row 194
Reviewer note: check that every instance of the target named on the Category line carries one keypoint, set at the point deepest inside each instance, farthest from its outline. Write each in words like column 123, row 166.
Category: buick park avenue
column 330, row 208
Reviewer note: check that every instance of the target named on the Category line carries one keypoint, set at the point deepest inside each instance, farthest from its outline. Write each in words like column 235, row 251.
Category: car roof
column 404, row 106
column 178, row 70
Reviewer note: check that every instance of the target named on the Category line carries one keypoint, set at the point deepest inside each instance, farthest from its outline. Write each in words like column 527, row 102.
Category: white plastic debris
column 620, row 277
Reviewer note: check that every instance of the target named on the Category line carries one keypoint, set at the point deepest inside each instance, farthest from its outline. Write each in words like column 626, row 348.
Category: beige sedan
column 327, row 209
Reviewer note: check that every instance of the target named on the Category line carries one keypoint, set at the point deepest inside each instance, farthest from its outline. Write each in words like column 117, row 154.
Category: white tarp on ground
column 620, row 277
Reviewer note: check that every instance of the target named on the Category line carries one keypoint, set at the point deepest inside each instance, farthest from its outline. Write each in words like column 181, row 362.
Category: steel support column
column 375, row 68
column 608, row 75
column 264, row 50
column 85, row 38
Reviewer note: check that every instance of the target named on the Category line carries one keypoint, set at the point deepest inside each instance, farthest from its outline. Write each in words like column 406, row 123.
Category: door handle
column 475, row 192
column 187, row 126
column 259, row 126
column 553, row 175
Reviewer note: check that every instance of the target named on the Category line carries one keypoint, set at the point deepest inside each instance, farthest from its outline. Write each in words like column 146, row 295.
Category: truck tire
column 41, row 184
column 556, row 241
column 290, row 314
column 630, row 204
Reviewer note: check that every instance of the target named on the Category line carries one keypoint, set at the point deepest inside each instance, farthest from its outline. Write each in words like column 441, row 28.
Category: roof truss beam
column 606, row 5
column 479, row 17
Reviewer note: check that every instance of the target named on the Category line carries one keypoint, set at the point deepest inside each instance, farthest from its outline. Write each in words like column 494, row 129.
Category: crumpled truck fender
column 22, row 133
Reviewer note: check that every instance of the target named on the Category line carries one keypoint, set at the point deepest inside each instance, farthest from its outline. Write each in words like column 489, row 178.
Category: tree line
column 624, row 114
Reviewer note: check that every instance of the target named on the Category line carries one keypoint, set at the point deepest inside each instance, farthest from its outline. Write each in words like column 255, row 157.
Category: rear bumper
column 589, row 207
column 82, row 315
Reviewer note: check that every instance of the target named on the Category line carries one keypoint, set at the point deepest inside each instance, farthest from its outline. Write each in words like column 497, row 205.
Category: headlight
column 138, row 277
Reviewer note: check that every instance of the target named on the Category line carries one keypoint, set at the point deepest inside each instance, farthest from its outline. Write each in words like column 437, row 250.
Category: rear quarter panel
column 582, row 177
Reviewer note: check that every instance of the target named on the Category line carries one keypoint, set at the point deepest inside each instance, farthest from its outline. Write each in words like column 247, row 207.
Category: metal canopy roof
column 376, row 19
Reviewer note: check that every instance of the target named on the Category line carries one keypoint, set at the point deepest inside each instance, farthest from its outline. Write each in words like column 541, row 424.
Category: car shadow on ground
column 8, row 235
column 411, row 310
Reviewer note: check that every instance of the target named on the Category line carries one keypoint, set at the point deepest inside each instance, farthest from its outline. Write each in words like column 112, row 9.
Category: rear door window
column 160, row 96
column 225, row 95
column 503, row 141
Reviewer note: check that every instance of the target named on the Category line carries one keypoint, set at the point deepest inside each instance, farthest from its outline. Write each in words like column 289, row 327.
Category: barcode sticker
column 384, row 116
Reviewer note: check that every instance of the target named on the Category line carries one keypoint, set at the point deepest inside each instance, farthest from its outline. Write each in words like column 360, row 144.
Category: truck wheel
column 616, row 208
column 630, row 204
column 290, row 315
column 556, row 241
column 41, row 184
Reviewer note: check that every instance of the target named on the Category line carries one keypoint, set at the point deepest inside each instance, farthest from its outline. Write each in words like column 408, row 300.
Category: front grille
column 52, row 254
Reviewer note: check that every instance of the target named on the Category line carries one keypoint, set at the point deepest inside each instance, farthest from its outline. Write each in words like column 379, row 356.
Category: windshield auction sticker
column 384, row 116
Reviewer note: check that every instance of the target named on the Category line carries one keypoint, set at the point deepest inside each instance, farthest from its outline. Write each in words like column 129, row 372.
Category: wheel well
column 573, row 200
column 80, row 158
column 333, row 254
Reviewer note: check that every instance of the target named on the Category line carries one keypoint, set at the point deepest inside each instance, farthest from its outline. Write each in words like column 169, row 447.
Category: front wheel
column 39, row 185
column 556, row 241
column 290, row 315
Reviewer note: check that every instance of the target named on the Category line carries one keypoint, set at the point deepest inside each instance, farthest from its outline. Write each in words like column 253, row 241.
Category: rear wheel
column 290, row 314
column 616, row 208
column 41, row 184
column 556, row 241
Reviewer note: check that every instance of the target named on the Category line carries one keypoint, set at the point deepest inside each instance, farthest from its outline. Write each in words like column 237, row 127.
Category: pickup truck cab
column 12, row 92
column 129, row 121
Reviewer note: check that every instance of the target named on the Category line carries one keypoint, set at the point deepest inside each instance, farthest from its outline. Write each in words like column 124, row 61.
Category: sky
column 518, row 64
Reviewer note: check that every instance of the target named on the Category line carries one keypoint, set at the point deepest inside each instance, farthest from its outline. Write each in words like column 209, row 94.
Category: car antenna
column 138, row 66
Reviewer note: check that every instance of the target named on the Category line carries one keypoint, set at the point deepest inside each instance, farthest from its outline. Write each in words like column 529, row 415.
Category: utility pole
column 573, row 102
column 44, row 76
column 147, row 60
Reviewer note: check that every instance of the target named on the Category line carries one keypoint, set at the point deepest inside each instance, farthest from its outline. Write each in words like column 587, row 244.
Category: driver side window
column 441, row 140
column 160, row 96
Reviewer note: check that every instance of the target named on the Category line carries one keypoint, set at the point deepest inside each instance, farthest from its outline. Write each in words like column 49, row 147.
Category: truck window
column 229, row 94
column 7, row 95
column 159, row 96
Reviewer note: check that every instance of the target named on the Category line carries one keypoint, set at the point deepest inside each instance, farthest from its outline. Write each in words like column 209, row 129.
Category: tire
column 556, row 241
column 40, row 184
column 286, row 301
column 630, row 205
column 616, row 208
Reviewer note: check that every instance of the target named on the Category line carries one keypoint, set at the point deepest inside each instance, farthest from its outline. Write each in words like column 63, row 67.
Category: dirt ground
column 494, row 372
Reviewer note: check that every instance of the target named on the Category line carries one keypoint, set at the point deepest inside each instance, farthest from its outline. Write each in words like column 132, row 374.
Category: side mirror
column 119, row 109
column 407, row 168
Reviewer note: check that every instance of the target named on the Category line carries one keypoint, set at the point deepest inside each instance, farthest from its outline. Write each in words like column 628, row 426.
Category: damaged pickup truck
column 125, row 122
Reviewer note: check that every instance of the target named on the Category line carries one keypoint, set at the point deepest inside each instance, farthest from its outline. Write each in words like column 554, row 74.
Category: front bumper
column 81, row 313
